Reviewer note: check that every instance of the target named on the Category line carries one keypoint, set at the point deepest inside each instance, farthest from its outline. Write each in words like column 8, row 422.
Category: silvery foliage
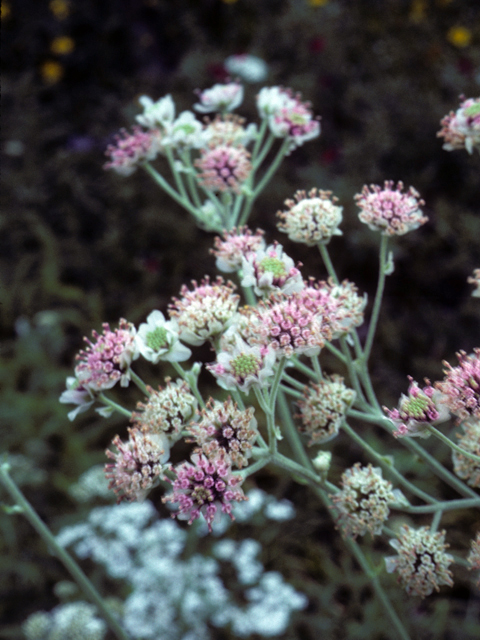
column 176, row 597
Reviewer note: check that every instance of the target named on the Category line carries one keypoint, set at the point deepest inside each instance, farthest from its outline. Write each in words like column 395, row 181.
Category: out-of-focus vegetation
column 80, row 246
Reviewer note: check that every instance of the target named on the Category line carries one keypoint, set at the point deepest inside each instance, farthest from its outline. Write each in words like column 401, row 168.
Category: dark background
column 80, row 246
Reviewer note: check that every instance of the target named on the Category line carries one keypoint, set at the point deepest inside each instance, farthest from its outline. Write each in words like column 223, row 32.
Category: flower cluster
column 234, row 246
column 323, row 408
column 106, row 360
column 223, row 168
column 226, row 432
column 166, row 411
column 461, row 386
column 464, row 466
column 221, row 97
column 390, row 211
column 362, row 504
column 205, row 486
column 158, row 339
column 204, row 313
column 311, row 218
column 422, row 407
column 421, row 564
column 269, row 271
column 132, row 149
column 461, row 129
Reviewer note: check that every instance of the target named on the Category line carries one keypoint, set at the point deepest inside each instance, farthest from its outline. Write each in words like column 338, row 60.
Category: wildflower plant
column 269, row 334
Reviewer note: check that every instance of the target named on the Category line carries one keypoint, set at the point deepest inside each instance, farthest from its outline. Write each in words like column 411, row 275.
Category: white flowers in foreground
column 158, row 339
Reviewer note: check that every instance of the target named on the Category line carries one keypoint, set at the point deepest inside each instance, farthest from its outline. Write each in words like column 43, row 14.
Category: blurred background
column 80, row 246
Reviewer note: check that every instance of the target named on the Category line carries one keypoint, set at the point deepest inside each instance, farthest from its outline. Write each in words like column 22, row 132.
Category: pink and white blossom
column 221, row 97
column 158, row 339
column 270, row 271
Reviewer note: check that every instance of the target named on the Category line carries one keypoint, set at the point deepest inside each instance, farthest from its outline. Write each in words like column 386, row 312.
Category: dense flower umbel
column 421, row 563
column 166, row 411
column 465, row 467
column 286, row 325
column 271, row 271
column 362, row 504
column 228, row 129
column 473, row 557
column 312, row 218
column 243, row 366
column 225, row 432
column 475, row 279
column 390, row 211
column 132, row 149
column 156, row 115
column 339, row 303
column 461, row 386
column 205, row 487
column 235, row 245
column 157, row 339
column 224, row 167
column 461, row 129
column 106, row 361
column 204, row 313
column 221, row 97
column 323, row 408
column 137, row 464
column 416, row 411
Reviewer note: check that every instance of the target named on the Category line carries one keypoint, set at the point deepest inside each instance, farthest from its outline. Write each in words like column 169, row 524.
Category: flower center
column 473, row 110
column 273, row 265
column 417, row 407
column 245, row 365
column 157, row 339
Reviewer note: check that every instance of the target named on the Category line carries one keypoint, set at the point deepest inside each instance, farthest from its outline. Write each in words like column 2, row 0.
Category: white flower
column 157, row 114
column 271, row 270
column 185, row 131
column 221, row 97
column 157, row 339
column 247, row 67
column 270, row 100
column 76, row 394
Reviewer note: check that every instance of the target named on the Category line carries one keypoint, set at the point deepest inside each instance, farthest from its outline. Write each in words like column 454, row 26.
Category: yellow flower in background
column 62, row 46
column 60, row 8
column 418, row 11
column 51, row 71
column 5, row 10
column 459, row 36
column 317, row 3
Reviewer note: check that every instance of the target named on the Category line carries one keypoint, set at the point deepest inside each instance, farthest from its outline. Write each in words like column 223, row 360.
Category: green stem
column 139, row 382
column 176, row 175
column 292, row 392
column 303, row 368
column 293, row 381
column 256, row 466
column 117, row 407
column 163, row 184
column 272, row 168
column 190, row 380
column 192, row 185
column 83, row 582
column 449, row 505
column 336, row 352
column 263, row 153
column 328, row 262
column 438, row 434
column 378, row 298
column 259, row 140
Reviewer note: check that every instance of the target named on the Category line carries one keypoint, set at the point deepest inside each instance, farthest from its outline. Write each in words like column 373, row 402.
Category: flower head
column 167, row 411
column 464, row 466
column 156, row 115
column 311, row 218
column 362, row 504
column 286, row 325
column 224, row 168
column 225, row 432
column 323, row 408
column 137, row 464
column 475, row 280
column 132, row 150
column 205, row 486
column 270, row 270
column 204, row 313
column 221, row 97
column 228, row 129
column 247, row 67
column 473, row 557
column 243, row 366
column 106, row 360
column 289, row 117
column 421, row 563
column 185, row 132
column 235, row 245
column 157, row 339
column 461, row 386
column 390, row 211
column 417, row 410
column 461, row 129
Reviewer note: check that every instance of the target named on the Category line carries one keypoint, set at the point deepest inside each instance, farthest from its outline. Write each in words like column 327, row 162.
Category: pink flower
column 138, row 464
column 461, row 129
column 131, row 150
column 461, row 386
column 390, row 211
column 235, row 245
column 224, row 167
column 205, row 487
column 417, row 410
column 270, row 270
column 106, row 361
column 221, row 97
